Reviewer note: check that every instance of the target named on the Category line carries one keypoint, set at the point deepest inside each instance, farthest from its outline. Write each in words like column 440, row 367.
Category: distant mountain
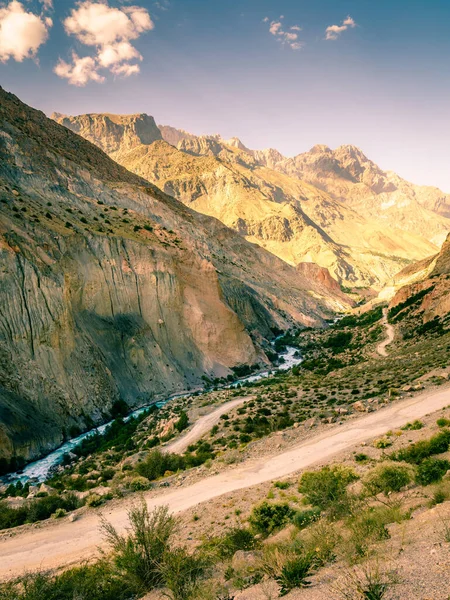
column 334, row 208
column 111, row 289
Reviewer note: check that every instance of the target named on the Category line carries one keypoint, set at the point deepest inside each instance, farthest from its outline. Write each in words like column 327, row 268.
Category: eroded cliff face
column 113, row 132
column 111, row 289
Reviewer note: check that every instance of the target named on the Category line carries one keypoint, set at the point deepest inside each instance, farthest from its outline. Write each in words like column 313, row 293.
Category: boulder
column 359, row 406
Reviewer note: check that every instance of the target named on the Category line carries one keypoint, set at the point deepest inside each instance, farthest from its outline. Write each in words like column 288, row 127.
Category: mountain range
column 335, row 208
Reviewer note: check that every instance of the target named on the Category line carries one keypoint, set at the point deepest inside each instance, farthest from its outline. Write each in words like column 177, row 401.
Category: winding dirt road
column 203, row 425
column 63, row 542
column 390, row 334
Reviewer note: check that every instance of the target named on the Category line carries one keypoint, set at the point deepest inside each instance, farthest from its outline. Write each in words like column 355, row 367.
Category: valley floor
column 54, row 544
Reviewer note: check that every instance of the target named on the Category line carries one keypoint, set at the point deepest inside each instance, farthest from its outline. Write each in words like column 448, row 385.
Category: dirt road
column 63, row 542
column 203, row 425
column 390, row 333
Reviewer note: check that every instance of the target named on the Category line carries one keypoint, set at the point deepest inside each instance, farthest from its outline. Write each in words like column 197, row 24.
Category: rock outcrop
column 112, row 133
column 111, row 289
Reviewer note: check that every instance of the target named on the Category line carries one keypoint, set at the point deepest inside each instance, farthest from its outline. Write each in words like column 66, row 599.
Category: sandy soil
column 63, row 542
column 390, row 333
column 203, row 425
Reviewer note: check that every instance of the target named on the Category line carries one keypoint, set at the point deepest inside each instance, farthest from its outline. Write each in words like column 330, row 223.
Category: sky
column 286, row 74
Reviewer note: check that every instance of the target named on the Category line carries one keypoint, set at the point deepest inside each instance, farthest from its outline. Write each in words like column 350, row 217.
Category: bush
column 182, row 423
column 443, row 422
column 419, row 451
column 295, row 573
column 236, row 539
column 88, row 582
column 282, row 485
column 416, row 425
column 138, row 556
column 431, row 470
column 327, row 488
column 157, row 463
column 182, row 572
column 139, row 484
column 387, row 478
column 382, row 443
column 303, row 518
column 266, row 517
column 94, row 500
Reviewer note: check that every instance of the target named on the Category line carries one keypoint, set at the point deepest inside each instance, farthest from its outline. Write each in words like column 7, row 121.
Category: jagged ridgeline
column 111, row 289
column 335, row 208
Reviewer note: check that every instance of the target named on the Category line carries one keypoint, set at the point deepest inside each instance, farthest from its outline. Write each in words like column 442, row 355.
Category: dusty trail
column 390, row 333
column 63, row 542
column 203, row 425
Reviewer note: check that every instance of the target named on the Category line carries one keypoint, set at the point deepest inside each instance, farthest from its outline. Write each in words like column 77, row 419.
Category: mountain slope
column 423, row 306
column 348, row 175
column 111, row 289
column 274, row 207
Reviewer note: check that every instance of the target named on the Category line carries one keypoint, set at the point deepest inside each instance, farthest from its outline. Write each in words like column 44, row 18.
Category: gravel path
column 61, row 542
column 203, row 425
column 390, row 333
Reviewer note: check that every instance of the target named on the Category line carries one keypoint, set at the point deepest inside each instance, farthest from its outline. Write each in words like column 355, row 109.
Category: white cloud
column 110, row 30
column 21, row 32
column 285, row 37
column 97, row 24
column 266, row 20
column 117, row 53
column 275, row 28
column 80, row 72
column 334, row 31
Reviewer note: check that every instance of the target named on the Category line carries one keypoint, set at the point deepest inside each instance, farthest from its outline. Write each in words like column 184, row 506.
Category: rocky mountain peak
column 320, row 149
column 113, row 132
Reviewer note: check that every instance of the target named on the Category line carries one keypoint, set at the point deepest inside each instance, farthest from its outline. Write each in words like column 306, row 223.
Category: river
column 39, row 470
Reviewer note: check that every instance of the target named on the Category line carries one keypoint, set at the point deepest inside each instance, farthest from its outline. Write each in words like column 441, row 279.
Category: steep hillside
column 111, row 289
column 292, row 219
column 423, row 307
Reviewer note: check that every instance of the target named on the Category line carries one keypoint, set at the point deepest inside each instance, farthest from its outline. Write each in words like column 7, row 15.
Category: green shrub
column 416, row 425
column 183, row 422
column 267, row 518
column 387, row 478
column 327, row 488
column 94, row 500
column 303, row 518
column 443, row 422
column 361, row 457
column 157, row 463
column 431, row 470
column 182, row 572
column 139, row 484
column 282, row 485
column 419, row 451
column 89, row 582
column 295, row 573
column 138, row 555
column 236, row 539
column 382, row 443
column 365, row 529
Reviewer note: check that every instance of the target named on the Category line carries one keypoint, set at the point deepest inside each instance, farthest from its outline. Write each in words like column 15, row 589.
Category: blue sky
column 212, row 66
